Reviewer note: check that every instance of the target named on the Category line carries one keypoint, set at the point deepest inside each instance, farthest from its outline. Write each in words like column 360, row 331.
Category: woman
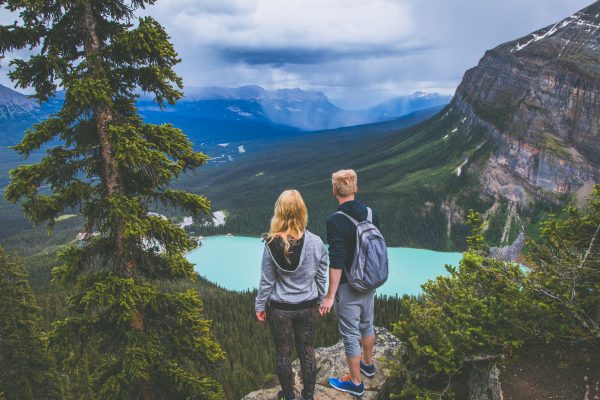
column 292, row 282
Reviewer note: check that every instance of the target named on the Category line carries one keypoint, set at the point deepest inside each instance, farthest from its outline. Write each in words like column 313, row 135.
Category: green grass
column 515, row 229
column 555, row 145
column 497, row 113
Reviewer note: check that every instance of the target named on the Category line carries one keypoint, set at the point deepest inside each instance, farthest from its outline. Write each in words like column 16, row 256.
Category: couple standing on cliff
column 292, row 296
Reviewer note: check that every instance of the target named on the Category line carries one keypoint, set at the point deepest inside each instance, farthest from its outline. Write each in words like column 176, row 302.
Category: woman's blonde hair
column 289, row 217
column 345, row 182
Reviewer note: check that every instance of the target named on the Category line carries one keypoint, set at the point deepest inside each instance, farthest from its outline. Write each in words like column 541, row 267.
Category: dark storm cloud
column 279, row 57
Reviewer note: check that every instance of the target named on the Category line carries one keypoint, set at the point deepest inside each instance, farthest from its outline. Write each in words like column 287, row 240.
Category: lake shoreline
column 234, row 263
column 254, row 237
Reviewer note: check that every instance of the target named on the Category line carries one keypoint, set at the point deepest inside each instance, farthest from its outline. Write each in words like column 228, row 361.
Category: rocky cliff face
column 331, row 361
column 539, row 98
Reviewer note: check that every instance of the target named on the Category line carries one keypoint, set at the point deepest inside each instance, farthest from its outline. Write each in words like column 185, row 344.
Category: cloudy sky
column 358, row 52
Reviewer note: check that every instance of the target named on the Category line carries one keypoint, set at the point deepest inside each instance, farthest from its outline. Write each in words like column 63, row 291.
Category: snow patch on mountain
column 187, row 221
column 460, row 167
column 239, row 111
column 553, row 29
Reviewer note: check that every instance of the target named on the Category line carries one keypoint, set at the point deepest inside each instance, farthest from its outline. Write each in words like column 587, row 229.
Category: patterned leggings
column 299, row 326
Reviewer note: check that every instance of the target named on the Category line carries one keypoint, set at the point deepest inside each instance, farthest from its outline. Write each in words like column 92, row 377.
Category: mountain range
column 305, row 110
column 222, row 122
column 218, row 114
column 518, row 140
column 18, row 112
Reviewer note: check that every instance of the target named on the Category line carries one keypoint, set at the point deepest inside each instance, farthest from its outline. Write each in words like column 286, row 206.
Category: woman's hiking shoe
column 281, row 396
column 304, row 397
column 367, row 370
column 345, row 384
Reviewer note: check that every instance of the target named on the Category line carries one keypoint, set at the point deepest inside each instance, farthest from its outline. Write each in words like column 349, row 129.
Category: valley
column 225, row 135
column 522, row 131
column 406, row 175
column 518, row 142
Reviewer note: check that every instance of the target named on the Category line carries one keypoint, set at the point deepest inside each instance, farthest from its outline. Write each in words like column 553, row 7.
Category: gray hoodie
column 302, row 284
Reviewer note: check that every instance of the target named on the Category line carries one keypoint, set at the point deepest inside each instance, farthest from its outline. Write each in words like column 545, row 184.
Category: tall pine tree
column 27, row 371
column 105, row 162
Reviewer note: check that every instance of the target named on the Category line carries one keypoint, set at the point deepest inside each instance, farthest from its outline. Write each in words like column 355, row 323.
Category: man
column 354, row 310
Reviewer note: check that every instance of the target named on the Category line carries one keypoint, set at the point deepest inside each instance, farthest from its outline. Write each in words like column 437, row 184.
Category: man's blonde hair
column 345, row 182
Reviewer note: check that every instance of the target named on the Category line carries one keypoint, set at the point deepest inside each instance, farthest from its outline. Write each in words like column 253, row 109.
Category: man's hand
column 261, row 316
column 326, row 306
column 335, row 274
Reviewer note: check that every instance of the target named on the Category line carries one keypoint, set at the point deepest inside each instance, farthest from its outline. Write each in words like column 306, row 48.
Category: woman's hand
column 261, row 316
column 326, row 306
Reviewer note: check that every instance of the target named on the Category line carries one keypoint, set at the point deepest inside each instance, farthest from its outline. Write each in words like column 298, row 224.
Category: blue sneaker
column 367, row 370
column 345, row 384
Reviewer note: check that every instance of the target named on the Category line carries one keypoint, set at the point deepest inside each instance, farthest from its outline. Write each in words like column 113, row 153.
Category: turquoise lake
column 234, row 263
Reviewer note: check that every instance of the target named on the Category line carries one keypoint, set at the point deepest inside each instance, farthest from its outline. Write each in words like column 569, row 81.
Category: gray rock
column 484, row 382
column 331, row 361
column 509, row 253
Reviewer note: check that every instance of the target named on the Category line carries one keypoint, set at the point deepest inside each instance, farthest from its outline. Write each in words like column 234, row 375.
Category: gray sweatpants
column 355, row 317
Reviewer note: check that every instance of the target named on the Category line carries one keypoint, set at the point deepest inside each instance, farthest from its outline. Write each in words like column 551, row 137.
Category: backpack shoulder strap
column 369, row 215
column 355, row 222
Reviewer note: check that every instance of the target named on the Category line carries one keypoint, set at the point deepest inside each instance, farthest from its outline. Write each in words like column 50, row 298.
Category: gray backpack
column 369, row 268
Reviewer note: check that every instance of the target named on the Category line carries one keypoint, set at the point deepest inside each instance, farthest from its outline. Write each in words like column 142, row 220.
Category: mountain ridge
column 217, row 114
column 15, row 106
column 250, row 92
column 538, row 97
column 518, row 140
column 303, row 109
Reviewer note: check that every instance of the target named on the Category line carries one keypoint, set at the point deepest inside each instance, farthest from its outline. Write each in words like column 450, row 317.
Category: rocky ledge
column 331, row 361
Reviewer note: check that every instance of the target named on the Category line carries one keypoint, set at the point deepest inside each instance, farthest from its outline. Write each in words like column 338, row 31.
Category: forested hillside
column 408, row 174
